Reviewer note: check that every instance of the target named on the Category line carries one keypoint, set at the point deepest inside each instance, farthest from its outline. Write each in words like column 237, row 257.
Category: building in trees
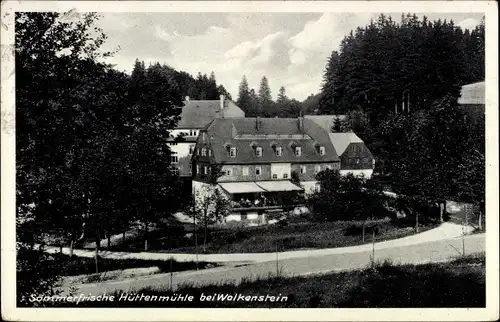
column 257, row 157
column 472, row 100
column 195, row 116
column 355, row 157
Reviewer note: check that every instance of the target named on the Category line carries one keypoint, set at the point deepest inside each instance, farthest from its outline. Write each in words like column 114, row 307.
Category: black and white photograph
column 253, row 155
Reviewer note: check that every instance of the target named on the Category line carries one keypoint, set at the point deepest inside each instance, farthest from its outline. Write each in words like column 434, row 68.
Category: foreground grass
column 460, row 283
column 306, row 235
column 72, row 266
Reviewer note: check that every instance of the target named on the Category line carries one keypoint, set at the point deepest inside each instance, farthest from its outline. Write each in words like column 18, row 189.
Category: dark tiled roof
column 472, row 94
column 197, row 114
column 242, row 133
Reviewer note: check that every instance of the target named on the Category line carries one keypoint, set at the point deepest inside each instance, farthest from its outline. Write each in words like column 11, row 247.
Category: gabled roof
column 242, row 133
column 196, row 114
column 325, row 121
column 342, row 140
column 472, row 94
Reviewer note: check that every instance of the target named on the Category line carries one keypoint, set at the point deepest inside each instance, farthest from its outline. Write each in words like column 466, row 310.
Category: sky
column 290, row 49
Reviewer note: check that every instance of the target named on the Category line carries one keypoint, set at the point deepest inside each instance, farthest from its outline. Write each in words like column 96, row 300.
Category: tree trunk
column 123, row 239
column 146, row 236
column 109, row 240
column 363, row 231
column 442, row 206
column 97, row 246
column 205, row 224
column 195, row 240
column 416, row 222
column 480, row 220
column 71, row 245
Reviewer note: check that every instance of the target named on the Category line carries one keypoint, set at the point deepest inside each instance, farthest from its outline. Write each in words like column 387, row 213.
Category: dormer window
column 298, row 151
column 203, row 136
column 203, row 152
column 258, row 151
column 321, row 150
column 232, row 152
column 279, row 150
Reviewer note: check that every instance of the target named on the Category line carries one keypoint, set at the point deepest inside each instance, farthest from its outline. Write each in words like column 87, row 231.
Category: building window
column 298, row 151
column 245, row 171
column 174, row 159
column 191, row 149
column 278, row 151
column 197, row 169
column 209, row 152
column 317, row 169
column 357, row 161
column 205, row 170
column 275, row 176
column 285, row 175
column 191, row 133
column 258, row 151
column 203, row 136
column 174, row 171
column 328, row 167
column 229, row 172
column 203, row 152
column 302, row 169
column 258, row 171
column 232, row 152
column 198, row 151
column 322, row 150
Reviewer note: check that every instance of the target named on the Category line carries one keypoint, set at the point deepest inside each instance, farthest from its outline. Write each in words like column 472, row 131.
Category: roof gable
column 196, row 114
column 472, row 94
column 342, row 140
column 324, row 121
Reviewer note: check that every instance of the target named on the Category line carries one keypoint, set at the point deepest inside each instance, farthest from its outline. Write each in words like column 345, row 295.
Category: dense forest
column 398, row 84
column 416, row 61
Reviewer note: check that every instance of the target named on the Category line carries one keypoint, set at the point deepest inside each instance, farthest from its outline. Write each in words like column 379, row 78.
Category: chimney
column 301, row 124
column 221, row 109
column 257, row 123
column 187, row 98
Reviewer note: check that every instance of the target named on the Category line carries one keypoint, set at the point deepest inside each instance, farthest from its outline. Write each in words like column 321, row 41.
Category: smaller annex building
column 355, row 157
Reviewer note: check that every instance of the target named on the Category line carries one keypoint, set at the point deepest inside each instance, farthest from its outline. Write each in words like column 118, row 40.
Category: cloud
column 469, row 23
column 289, row 48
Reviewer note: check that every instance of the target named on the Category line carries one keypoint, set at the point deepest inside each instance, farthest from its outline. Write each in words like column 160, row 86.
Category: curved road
column 316, row 263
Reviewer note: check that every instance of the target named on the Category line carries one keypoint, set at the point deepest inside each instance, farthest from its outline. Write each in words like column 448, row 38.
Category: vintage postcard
column 249, row 160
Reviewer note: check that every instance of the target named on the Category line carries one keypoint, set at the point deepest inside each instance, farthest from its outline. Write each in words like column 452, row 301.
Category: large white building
column 195, row 116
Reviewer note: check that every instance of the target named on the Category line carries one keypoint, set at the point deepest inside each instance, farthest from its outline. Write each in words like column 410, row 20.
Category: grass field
column 460, row 283
column 299, row 235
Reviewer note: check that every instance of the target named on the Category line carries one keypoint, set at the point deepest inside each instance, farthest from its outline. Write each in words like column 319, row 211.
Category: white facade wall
column 182, row 148
column 366, row 173
column 280, row 169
